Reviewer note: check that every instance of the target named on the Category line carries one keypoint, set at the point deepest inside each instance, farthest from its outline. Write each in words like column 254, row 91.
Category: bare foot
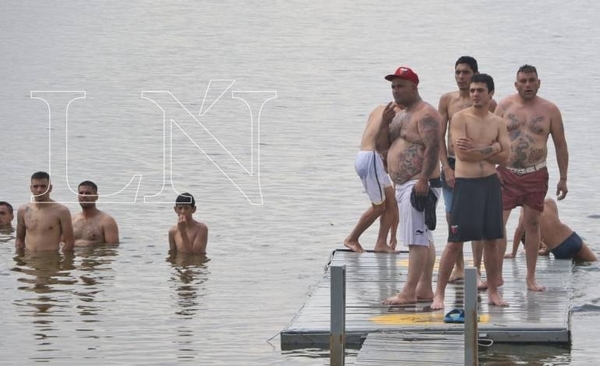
column 399, row 299
column 481, row 285
column 353, row 246
column 533, row 286
column 393, row 243
column 424, row 293
column 509, row 255
column 496, row 300
column 437, row 304
column 383, row 249
column 457, row 275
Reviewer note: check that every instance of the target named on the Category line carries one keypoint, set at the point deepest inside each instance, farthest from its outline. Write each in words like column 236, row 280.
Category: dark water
column 277, row 189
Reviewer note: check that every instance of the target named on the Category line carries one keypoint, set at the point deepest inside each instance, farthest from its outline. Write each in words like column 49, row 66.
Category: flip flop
column 455, row 316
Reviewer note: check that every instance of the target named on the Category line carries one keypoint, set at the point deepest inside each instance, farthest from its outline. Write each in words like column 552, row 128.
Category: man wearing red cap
column 413, row 138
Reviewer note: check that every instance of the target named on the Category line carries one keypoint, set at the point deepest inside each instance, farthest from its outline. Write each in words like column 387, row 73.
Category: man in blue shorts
column 558, row 238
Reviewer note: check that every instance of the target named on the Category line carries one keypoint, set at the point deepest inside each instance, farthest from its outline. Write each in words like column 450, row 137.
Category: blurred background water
column 316, row 69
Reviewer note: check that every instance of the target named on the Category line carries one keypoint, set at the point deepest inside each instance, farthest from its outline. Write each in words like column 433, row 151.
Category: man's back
column 368, row 141
column 553, row 231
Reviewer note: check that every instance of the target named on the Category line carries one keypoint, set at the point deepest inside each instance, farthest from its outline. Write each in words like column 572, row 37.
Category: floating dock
column 532, row 317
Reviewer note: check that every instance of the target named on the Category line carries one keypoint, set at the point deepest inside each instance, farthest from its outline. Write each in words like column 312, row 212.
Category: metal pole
column 471, row 356
column 337, row 337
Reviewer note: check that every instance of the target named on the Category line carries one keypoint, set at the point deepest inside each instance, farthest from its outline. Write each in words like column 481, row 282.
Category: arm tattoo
column 430, row 129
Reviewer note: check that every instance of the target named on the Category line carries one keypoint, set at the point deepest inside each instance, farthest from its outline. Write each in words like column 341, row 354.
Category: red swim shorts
column 523, row 190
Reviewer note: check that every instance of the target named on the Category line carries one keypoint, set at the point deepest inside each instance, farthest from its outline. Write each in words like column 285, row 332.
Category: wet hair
column 185, row 199
column 527, row 69
column 89, row 183
column 40, row 175
column 469, row 61
column 484, row 78
column 8, row 205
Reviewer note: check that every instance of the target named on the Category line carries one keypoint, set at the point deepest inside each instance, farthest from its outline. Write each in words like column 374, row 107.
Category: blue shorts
column 568, row 248
column 447, row 192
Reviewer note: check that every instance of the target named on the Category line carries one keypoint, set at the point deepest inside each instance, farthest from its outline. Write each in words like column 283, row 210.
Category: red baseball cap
column 406, row 73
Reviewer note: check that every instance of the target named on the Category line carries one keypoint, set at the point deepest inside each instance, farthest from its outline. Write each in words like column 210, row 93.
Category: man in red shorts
column 530, row 120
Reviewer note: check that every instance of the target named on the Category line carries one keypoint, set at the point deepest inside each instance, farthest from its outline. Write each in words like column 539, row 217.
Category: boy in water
column 189, row 235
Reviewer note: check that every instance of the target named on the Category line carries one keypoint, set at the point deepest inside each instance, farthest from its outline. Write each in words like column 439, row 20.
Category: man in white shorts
column 413, row 137
column 371, row 170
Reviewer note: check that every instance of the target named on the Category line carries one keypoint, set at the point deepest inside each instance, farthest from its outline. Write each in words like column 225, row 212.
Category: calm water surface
column 136, row 305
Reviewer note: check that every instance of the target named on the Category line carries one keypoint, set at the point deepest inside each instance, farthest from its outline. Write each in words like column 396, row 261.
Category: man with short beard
column 413, row 136
column 92, row 226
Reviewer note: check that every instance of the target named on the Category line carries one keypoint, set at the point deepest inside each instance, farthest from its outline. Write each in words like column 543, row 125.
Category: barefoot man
column 413, row 137
column 530, row 121
column 450, row 103
column 371, row 170
column 42, row 223
column 92, row 226
column 481, row 141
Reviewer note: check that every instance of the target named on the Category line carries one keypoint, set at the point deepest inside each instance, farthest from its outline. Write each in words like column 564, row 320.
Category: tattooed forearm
column 430, row 129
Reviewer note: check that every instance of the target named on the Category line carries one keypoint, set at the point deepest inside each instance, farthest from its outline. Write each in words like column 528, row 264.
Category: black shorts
column 476, row 212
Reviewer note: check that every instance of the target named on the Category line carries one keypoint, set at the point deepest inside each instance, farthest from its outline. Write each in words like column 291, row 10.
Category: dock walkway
column 533, row 317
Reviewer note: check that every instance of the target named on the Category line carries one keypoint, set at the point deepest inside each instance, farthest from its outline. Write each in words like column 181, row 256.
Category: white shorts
column 369, row 168
column 412, row 229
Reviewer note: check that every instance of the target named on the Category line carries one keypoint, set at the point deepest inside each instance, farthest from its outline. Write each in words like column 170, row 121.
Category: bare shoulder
column 446, row 98
column 461, row 115
column 548, row 105
column 23, row 208
column 496, row 120
column 173, row 229
column 429, row 111
column 107, row 219
column 61, row 209
column 201, row 226
column 505, row 105
column 377, row 111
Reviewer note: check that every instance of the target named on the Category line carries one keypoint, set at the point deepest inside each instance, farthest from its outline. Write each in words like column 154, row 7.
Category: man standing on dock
column 530, row 121
column 450, row 104
column 413, row 138
column 481, row 141
column 371, row 170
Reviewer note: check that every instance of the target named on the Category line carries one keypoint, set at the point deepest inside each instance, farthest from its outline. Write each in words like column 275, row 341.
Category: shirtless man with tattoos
column 481, row 141
column 413, row 138
column 92, row 226
column 42, row 223
column 530, row 121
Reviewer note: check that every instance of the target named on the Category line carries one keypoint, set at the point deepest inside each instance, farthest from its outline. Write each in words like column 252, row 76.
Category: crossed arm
column 498, row 152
